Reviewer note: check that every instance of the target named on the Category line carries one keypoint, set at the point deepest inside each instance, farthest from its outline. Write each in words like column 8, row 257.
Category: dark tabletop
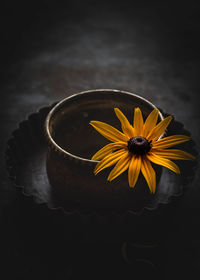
column 52, row 49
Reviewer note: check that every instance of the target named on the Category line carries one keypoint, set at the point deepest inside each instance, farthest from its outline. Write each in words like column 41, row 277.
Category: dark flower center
column 139, row 145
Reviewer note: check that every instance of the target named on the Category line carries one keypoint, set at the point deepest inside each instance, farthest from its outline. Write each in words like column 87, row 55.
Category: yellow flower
column 137, row 146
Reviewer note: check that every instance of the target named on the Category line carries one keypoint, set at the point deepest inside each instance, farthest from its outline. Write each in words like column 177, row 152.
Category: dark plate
column 26, row 163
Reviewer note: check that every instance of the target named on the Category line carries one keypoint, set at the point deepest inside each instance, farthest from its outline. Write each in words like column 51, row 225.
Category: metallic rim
column 51, row 113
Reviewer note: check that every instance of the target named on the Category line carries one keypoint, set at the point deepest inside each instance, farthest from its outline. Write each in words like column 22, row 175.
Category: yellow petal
column 150, row 122
column 174, row 154
column 109, row 148
column 149, row 174
column 170, row 141
column 159, row 129
column 109, row 131
column 109, row 160
column 134, row 170
column 126, row 127
column 138, row 122
column 120, row 167
column 164, row 162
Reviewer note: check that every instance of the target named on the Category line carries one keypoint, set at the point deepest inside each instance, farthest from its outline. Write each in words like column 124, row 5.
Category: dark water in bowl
column 75, row 135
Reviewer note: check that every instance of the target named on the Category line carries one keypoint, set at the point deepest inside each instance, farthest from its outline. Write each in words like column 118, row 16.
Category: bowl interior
column 69, row 120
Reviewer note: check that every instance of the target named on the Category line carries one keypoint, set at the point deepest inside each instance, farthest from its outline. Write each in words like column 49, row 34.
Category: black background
column 51, row 49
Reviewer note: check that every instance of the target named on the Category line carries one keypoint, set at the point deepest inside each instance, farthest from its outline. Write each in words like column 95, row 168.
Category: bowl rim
column 52, row 142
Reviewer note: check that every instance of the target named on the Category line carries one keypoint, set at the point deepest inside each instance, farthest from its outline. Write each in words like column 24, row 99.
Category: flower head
column 137, row 146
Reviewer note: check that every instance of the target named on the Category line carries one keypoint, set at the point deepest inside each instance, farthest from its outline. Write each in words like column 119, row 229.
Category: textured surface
column 51, row 50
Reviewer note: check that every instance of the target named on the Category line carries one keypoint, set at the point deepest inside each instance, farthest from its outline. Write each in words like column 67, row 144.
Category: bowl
column 72, row 142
